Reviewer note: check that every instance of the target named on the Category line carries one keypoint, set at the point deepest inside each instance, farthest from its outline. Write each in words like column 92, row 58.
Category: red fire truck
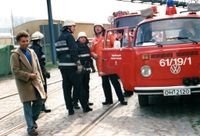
column 163, row 57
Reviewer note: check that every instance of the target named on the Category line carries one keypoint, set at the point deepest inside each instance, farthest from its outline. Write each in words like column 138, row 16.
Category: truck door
column 119, row 59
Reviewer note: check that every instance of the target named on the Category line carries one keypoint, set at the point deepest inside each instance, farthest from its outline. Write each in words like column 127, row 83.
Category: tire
column 143, row 100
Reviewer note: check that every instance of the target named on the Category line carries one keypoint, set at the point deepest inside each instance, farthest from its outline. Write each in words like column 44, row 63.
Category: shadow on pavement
column 173, row 106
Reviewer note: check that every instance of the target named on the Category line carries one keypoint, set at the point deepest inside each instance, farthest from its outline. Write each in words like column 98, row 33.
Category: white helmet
column 37, row 36
column 81, row 34
column 98, row 24
column 69, row 23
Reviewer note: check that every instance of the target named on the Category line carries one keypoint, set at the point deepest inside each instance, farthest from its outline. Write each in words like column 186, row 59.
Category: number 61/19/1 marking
column 177, row 61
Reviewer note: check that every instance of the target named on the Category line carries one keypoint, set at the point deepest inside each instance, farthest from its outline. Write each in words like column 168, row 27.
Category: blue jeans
column 32, row 111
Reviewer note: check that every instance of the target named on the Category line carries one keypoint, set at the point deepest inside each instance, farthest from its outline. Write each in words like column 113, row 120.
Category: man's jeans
column 32, row 111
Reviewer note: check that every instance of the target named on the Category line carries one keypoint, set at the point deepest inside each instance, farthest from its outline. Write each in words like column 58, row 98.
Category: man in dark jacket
column 36, row 46
column 70, row 67
column 86, row 61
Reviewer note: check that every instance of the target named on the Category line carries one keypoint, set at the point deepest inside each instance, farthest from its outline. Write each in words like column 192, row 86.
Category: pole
column 12, row 29
column 51, row 30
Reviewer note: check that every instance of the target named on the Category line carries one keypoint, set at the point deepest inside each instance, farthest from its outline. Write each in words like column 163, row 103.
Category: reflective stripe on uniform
column 84, row 55
column 43, row 56
column 61, row 43
column 66, row 64
column 62, row 49
column 87, row 69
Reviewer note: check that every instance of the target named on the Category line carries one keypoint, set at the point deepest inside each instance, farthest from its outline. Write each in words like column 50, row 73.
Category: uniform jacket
column 22, row 69
column 98, row 46
column 40, row 54
column 67, row 50
column 84, row 55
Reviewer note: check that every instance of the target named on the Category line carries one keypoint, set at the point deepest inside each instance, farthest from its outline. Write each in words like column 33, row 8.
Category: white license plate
column 175, row 92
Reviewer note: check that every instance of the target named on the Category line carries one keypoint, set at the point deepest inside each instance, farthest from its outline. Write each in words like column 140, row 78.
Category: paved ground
column 164, row 117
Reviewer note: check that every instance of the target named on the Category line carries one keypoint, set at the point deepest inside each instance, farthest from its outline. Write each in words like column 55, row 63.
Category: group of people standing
column 75, row 64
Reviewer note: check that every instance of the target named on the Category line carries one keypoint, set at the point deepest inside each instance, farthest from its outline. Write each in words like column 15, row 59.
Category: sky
column 78, row 10
column 94, row 11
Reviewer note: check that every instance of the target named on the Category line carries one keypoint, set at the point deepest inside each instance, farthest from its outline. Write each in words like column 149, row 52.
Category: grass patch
column 49, row 65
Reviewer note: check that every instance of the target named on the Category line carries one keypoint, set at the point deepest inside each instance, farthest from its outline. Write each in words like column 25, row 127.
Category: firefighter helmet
column 37, row 36
column 98, row 24
column 81, row 34
column 69, row 23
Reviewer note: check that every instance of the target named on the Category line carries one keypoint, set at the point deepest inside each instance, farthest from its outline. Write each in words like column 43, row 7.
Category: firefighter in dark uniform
column 70, row 67
column 36, row 46
column 86, row 61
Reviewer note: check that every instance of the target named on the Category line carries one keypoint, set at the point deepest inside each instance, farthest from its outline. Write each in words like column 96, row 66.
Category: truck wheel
column 143, row 100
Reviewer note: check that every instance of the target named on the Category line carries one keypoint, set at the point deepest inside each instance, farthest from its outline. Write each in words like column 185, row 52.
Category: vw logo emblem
column 175, row 69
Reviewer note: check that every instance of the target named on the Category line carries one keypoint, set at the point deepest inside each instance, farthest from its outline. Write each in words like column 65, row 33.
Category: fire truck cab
column 125, row 19
column 162, row 58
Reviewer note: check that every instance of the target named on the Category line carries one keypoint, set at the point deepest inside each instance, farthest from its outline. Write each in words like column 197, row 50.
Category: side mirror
column 117, row 44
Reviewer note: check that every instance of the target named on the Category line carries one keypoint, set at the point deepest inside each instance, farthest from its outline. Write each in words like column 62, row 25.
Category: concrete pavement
column 164, row 117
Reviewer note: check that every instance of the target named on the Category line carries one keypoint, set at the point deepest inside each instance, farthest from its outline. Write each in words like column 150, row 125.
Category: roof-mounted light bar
column 193, row 7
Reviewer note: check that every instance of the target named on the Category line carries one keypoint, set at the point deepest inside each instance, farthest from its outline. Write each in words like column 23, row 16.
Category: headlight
column 146, row 71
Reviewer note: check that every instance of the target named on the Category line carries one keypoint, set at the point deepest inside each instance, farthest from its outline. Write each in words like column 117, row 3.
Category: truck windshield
column 169, row 32
column 129, row 21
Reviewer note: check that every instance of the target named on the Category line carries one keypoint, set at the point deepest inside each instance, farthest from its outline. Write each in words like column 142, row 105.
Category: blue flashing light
column 170, row 3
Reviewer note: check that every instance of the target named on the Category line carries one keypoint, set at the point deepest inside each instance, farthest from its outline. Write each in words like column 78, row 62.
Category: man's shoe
column 90, row 104
column 88, row 109
column 33, row 132
column 47, row 110
column 123, row 102
column 71, row 112
column 107, row 103
column 44, row 109
column 35, row 125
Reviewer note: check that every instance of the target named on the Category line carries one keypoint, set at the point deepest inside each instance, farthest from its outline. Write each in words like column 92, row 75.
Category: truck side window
column 188, row 30
column 119, row 38
column 147, row 35
column 125, row 41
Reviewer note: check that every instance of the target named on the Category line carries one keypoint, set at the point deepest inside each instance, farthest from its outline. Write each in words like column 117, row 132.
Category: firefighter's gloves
column 47, row 74
column 93, row 70
column 79, row 67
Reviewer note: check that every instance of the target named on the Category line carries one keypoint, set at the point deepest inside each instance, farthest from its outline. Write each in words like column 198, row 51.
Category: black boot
column 70, row 112
column 76, row 106
column 90, row 103
column 107, row 103
column 44, row 109
column 123, row 102
column 88, row 109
